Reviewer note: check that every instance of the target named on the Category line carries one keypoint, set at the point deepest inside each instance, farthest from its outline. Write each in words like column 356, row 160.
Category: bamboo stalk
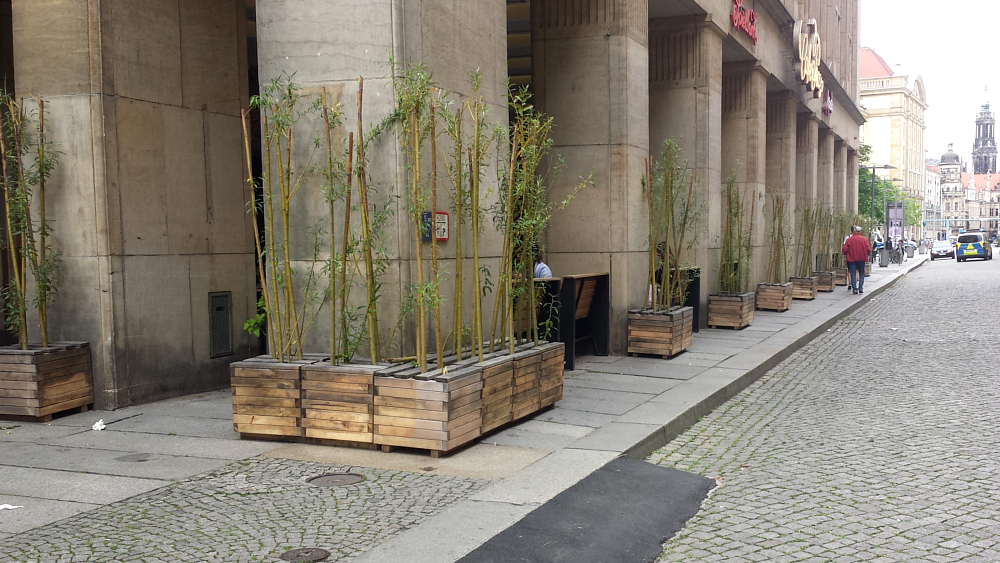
column 477, row 304
column 456, row 323
column 372, row 311
column 418, row 227
column 438, row 341
column 261, row 263
column 333, row 227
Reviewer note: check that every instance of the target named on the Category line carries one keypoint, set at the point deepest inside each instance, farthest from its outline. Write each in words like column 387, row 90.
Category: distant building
column 984, row 151
column 968, row 201
column 894, row 104
column 932, row 199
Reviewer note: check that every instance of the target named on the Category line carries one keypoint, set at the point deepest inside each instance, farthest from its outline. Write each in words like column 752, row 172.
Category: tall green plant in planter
column 823, row 240
column 733, row 306
column 776, row 293
column 804, row 283
column 50, row 377
column 662, row 327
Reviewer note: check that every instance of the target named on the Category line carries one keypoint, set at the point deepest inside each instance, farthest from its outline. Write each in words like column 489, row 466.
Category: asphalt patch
column 621, row 513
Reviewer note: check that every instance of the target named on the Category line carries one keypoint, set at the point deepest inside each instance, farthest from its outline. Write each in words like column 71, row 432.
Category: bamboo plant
column 28, row 159
column 673, row 212
column 807, row 234
column 777, row 236
column 823, row 239
column 734, row 262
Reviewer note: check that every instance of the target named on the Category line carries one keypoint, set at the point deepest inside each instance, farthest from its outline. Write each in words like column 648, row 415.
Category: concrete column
column 744, row 144
column 780, row 155
column 806, row 159
column 452, row 39
column 840, row 177
column 825, row 169
column 685, row 104
column 591, row 71
column 144, row 102
column 853, row 162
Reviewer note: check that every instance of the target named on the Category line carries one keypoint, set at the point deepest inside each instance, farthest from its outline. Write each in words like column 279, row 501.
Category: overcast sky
column 952, row 46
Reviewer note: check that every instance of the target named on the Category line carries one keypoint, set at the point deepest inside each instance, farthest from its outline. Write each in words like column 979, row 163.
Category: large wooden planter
column 439, row 412
column 338, row 402
column 526, row 397
column 550, row 374
column 824, row 281
column 803, row 288
column 40, row 382
column 662, row 333
column 733, row 311
column 267, row 397
column 774, row 296
column 840, row 276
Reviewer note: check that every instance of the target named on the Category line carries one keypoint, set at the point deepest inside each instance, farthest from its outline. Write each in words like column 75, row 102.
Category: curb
column 666, row 433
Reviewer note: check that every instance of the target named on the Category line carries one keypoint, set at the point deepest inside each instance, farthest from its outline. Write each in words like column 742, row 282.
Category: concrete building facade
column 146, row 100
column 894, row 105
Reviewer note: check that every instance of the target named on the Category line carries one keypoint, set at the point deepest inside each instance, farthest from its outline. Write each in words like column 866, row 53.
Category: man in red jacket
column 856, row 249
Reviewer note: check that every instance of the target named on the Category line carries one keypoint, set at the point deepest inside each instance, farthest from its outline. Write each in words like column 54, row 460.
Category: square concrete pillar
column 825, row 169
column 143, row 101
column 853, row 162
column 780, row 155
column 744, row 145
column 806, row 160
column 591, row 75
column 330, row 45
column 685, row 104
column 840, row 177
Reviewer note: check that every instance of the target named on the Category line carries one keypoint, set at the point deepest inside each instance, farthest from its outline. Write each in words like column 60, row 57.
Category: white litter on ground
column 99, row 425
column 9, row 507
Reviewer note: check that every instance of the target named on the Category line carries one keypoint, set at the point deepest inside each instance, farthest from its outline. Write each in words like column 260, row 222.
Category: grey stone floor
column 877, row 442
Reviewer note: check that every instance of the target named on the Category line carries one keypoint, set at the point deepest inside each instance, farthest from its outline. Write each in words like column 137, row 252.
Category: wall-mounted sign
column 809, row 55
column 441, row 226
column 745, row 19
column 828, row 103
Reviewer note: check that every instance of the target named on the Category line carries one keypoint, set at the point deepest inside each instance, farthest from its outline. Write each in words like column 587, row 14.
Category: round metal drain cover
column 305, row 554
column 336, row 479
column 134, row 458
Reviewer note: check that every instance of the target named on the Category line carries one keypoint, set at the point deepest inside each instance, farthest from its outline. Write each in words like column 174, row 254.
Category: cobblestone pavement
column 250, row 511
column 879, row 441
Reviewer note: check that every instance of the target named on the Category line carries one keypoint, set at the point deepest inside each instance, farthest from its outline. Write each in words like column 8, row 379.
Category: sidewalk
column 65, row 473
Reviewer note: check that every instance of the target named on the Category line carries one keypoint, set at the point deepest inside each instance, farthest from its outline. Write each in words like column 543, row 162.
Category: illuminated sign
column 745, row 19
column 809, row 55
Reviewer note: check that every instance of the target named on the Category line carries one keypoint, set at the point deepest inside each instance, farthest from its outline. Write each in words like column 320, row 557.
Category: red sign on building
column 745, row 19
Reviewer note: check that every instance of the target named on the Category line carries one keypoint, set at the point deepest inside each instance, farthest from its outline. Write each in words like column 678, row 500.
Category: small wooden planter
column 338, row 402
column 774, row 296
column 824, row 281
column 868, row 269
column 840, row 276
column 733, row 311
column 804, row 288
column 661, row 334
column 439, row 412
column 267, row 397
column 39, row 382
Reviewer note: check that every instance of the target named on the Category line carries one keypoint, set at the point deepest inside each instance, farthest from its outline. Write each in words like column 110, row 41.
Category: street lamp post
column 872, row 215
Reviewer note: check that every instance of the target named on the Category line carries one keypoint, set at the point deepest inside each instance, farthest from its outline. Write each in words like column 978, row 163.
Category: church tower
column 984, row 152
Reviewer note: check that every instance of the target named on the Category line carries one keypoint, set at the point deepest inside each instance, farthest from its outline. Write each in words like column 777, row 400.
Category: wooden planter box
column 868, row 269
column 526, row 397
column 438, row 412
column 824, row 281
column 338, row 402
column 774, row 296
column 498, row 387
column 733, row 311
column 803, row 288
column 550, row 374
column 40, row 382
column 840, row 276
column 662, row 334
column 267, row 397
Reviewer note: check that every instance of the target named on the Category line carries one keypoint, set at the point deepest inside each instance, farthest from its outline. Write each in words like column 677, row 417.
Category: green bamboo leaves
column 734, row 261
column 777, row 239
column 28, row 159
column 807, row 236
column 674, row 212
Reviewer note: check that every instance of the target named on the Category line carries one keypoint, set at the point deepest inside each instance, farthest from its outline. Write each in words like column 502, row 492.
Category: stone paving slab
column 214, row 448
column 106, row 462
column 36, row 512
column 72, row 486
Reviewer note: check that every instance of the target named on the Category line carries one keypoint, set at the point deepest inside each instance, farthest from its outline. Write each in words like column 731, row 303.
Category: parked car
column 973, row 245
column 942, row 249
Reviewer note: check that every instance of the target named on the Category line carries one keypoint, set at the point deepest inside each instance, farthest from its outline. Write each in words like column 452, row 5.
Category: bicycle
column 896, row 256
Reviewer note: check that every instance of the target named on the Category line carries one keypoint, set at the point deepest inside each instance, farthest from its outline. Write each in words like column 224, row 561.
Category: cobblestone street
column 876, row 442
column 252, row 510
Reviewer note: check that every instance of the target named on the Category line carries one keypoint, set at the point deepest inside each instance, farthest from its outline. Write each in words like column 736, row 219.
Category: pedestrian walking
column 855, row 251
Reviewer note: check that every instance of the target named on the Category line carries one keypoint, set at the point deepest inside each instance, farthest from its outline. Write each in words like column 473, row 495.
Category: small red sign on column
column 745, row 19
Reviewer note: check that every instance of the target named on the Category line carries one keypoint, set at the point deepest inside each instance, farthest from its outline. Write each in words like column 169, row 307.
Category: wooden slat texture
column 338, row 401
column 267, row 398
column 39, row 382
column 804, row 288
column 732, row 311
column 824, row 281
column 662, row 334
column 774, row 297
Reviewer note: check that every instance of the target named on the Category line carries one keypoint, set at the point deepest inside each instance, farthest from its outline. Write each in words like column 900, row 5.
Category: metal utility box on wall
column 220, row 323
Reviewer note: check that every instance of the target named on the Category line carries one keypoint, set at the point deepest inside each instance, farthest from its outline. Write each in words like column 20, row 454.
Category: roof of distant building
column 982, row 181
column 951, row 157
column 872, row 65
